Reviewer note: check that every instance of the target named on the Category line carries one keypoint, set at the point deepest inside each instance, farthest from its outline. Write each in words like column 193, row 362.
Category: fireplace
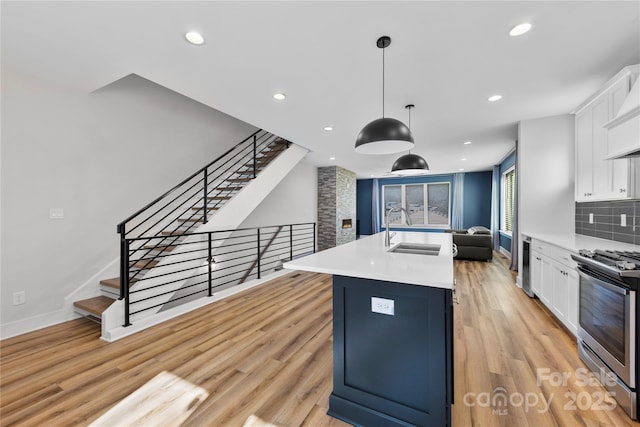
column 346, row 223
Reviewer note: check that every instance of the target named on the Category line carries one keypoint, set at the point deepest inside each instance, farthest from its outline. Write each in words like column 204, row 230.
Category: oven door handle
column 603, row 281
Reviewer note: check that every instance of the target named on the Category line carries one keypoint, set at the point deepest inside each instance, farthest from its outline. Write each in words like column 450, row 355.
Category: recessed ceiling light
column 520, row 29
column 193, row 37
column 467, row 142
column 494, row 98
column 279, row 96
column 461, row 169
column 332, row 158
column 328, row 128
column 464, row 159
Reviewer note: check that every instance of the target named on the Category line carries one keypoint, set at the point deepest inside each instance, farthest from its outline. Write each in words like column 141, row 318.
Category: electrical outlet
column 19, row 298
column 56, row 213
column 623, row 220
column 382, row 306
column 590, row 218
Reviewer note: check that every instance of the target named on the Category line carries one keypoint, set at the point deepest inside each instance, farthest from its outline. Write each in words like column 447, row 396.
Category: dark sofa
column 475, row 243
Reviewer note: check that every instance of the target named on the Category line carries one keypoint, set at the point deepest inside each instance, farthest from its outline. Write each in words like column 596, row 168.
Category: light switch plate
column 56, row 213
column 19, row 298
column 590, row 218
column 623, row 220
column 383, row 306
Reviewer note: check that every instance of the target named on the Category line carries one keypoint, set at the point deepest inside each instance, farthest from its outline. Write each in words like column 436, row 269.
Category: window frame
column 503, row 200
column 403, row 203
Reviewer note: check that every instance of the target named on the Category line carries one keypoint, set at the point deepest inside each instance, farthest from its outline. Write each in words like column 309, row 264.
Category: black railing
column 179, row 211
column 201, row 263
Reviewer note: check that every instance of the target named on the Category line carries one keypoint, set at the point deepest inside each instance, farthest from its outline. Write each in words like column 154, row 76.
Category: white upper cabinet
column 598, row 178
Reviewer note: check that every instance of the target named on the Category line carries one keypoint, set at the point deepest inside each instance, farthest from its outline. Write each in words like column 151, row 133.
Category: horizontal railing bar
column 132, row 239
column 169, row 255
column 303, row 245
column 166, row 274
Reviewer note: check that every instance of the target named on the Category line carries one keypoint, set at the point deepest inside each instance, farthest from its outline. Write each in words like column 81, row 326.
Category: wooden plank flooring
column 268, row 352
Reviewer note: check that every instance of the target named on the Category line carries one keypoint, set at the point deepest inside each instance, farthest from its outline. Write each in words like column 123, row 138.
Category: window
column 507, row 202
column 426, row 204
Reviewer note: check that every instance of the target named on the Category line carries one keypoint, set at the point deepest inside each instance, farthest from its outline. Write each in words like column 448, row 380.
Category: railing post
column 290, row 242
column 123, row 268
column 255, row 155
column 210, row 261
column 258, row 252
column 314, row 237
column 206, row 191
column 124, row 280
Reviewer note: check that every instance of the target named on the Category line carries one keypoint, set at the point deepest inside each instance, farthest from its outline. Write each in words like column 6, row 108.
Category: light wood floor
column 268, row 352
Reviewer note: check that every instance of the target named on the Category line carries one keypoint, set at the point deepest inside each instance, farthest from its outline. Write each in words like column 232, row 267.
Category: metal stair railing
column 215, row 260
column 189, row 204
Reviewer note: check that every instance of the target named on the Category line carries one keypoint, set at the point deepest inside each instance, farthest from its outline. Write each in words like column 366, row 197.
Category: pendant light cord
column 409, row 107
column 383, row 82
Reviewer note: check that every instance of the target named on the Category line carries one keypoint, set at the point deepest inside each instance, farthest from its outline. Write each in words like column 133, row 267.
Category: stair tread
column 229, row 188
column 218, row 197
column 190, row 220
column 239, row 179
column 173, row 233
column 164, row 248
column 115, row 282
column 213, row 208
column 96, row 305
column 144, row 263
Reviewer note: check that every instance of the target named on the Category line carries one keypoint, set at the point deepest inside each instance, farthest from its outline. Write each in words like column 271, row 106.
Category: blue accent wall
column 364, row 200
column 505, row 241
column 477, row 199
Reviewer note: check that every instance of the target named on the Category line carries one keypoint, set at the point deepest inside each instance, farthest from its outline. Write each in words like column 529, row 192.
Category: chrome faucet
column 387, row 239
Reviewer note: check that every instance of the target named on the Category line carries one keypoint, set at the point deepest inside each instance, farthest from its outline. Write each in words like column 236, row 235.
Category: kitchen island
column 392, row 328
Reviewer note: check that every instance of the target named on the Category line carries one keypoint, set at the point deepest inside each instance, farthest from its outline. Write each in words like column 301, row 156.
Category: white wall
column 546, row 176
column 101, row 157
column 294, row 200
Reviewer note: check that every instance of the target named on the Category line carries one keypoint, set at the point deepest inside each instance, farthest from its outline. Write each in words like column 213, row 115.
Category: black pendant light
column 385, row 135
column 410, row 164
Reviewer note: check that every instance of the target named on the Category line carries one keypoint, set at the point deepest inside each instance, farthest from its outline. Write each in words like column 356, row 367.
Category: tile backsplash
column 605, row 220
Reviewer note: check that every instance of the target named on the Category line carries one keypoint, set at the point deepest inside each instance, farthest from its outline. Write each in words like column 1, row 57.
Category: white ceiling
column 446, row 57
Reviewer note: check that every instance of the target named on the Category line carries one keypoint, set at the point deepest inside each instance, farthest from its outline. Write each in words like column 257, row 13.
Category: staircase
column 153, row 234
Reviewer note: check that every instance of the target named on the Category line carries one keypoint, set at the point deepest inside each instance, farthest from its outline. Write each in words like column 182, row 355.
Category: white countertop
column 368, row 258
column 575, row 242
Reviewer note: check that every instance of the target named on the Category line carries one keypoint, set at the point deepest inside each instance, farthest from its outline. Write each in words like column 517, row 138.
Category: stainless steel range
column 608, row 321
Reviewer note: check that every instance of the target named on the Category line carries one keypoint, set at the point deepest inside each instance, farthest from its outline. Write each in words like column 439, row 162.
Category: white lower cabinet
column 554, row 280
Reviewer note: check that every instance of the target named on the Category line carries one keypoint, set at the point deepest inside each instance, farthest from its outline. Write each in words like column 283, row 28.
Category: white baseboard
column 34, row 323
column 30, row 324
column 505, row 252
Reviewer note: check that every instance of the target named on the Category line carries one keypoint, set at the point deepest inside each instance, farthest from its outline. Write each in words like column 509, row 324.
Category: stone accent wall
column 336, row 202
column 326, row 207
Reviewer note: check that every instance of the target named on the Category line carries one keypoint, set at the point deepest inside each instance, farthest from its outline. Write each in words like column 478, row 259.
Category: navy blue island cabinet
column 392, row 354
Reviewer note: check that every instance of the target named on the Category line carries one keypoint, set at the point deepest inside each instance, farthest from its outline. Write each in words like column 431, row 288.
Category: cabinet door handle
column 623, row 190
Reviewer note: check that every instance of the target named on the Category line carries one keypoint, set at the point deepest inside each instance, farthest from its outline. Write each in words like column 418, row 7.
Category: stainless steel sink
column 416, row 248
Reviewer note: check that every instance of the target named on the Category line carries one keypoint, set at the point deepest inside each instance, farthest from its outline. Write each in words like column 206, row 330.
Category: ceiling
column 446, row 57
